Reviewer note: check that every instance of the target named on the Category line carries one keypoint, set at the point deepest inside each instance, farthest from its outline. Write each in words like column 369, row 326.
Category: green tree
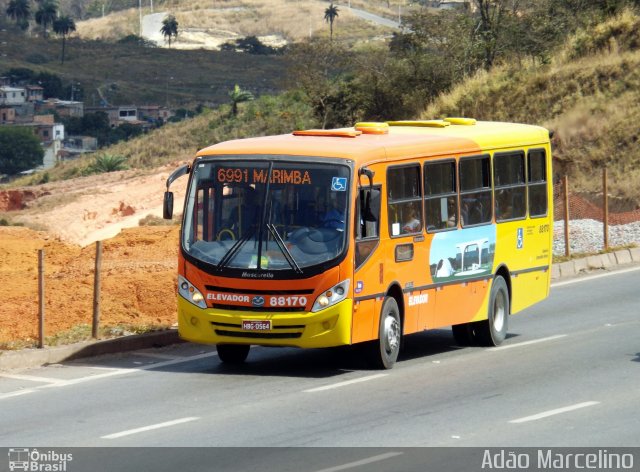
column 46, row 14
column 319, row 69
column 20, row 12
column 238, row 95
column 20, row 150
column 169, row 28
column 330, row 15
column 51, row 83
column 62, row 26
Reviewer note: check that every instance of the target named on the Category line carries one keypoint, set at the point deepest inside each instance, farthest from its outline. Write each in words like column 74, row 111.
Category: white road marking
column 15, row 394
column 110, row 372
column 157, row 355
column 593, row 277
column 346, row 382
column 122, row 371
column 557, row 411
column 32, row 378
column 150, row 427
column 526, row 343
column 370, row 460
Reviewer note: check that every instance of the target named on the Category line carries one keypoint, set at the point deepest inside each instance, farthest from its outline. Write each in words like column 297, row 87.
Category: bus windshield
column 266, row 215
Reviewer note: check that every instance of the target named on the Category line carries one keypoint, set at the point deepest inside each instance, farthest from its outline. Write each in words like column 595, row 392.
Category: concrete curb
column 52, row 355
column 596, row 262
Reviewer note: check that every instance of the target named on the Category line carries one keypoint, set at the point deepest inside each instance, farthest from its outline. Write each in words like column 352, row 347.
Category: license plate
column 256, row 325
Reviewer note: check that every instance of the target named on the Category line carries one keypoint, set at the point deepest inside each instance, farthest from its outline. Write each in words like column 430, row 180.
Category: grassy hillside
column 129, row 73
column 589, row 95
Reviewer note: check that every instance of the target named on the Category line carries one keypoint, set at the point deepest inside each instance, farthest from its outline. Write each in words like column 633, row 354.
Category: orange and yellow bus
column 325, row 238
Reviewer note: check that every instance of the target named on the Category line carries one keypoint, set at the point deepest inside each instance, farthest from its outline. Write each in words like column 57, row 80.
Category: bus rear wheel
column 383, row 353
column 233, row 353
column 493, row 330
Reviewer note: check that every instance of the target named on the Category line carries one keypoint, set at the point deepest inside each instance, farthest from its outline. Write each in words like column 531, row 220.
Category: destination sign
column 259, row 176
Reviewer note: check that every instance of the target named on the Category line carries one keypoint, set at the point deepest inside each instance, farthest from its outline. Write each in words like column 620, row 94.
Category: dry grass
column 591, row 103
column 291, row 20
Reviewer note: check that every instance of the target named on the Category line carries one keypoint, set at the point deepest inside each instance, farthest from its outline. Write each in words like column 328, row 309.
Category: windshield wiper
column 231, row 253
column 283, row 247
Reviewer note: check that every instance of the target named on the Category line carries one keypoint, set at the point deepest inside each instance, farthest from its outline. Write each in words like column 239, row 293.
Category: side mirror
column 368, row 173
column 167, row 208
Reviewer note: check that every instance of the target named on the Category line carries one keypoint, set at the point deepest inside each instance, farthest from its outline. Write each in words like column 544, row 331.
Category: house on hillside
column 64, row 108
column 34, row 93
column 12, row 95
column 47, row 129
column 154, row 113
column 75, row 146
column 51, row 135
column 117, row 114
column 7, row 115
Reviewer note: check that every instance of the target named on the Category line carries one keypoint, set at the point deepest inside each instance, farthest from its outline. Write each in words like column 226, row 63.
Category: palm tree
column 46, row 14
column 62, row 26
column 330, row 14
column 19, row 11
column 238, row 95
column 169, row 28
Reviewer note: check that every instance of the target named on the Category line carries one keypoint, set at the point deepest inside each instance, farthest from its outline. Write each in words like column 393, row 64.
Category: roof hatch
column 335, row 133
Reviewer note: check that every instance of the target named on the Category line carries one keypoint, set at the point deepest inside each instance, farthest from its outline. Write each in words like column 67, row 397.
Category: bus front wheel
column 384, row 352
column 493, row 330
column 233, row 353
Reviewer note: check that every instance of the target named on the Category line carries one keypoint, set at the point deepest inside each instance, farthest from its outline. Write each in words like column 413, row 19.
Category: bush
column 107, row 163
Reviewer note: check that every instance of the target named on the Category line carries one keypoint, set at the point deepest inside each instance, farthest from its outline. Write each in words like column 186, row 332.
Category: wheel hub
column 391, row 334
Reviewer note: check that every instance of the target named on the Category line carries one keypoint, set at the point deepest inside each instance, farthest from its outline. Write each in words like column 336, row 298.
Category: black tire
column 493, row 330
column 383, row 353
column 233, row 353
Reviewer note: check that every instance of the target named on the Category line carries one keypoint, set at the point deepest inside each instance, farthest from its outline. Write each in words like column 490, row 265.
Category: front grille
column 257, row 335
column 259, row 292
column 294, row 309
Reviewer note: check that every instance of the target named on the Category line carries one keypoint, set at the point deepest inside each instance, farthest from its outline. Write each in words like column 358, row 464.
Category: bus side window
column 368, row 223
column 441, row 195
column 404, row 194
column 509, row 182
column 537, row 183
column 475, row 190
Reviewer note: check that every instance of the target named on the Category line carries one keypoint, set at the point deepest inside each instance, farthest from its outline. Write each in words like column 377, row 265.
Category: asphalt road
column 568, row 375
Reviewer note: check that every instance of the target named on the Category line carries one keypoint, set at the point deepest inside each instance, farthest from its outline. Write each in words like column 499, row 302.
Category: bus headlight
column 332, row 296
column 190, row 293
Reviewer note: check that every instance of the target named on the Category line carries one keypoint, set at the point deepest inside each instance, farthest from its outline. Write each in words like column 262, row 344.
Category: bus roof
column 405, row 139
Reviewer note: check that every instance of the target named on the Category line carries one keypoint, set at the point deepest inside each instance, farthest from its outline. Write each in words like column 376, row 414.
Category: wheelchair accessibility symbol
column 339, row 184
column 520, row 238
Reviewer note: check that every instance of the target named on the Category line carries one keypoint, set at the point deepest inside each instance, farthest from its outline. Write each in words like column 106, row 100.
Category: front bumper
column 326, row 328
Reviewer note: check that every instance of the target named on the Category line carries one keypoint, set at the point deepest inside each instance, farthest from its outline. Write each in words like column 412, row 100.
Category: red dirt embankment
column 138, row 281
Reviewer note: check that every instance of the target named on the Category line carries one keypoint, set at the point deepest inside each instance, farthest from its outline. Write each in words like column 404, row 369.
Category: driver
column 334, row 218
column 245, row 215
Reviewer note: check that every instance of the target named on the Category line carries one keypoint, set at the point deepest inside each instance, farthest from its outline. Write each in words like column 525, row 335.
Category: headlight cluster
column 332, row 296
column 190, row 293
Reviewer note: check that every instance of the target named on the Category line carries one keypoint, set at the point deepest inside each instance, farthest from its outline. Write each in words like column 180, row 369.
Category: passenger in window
column 465, row 208
column 504, row 208
column 452, row 213
column 412, row 222
column 246, row 214
column 334, row 218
